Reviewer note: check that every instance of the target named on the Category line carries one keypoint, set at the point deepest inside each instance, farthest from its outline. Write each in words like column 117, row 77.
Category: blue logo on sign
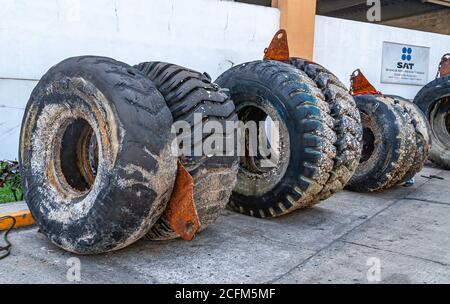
column 406, row 54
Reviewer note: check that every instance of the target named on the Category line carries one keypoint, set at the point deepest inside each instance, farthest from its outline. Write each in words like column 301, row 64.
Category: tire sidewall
column 371, row 175
column 121, row 205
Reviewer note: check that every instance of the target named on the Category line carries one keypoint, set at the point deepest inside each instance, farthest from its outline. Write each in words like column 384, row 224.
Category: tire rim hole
column 440, row 120
column 79, row 156
column 189, row 227
column 261, row 140
column 368, row 145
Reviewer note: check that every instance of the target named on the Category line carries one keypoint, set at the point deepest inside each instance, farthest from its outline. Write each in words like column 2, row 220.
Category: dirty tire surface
column 306, row 138
column 406, row 160
column 389, row 144
column 187, row 93
column 434, row 101
column 422, row 134
column 91, row 198
column 347, row 124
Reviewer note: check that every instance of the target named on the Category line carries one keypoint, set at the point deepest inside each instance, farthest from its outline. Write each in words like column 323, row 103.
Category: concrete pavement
column 397, row 236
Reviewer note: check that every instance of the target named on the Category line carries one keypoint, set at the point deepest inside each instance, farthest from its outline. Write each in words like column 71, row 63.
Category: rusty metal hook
column 278, row 48
column 359, row 85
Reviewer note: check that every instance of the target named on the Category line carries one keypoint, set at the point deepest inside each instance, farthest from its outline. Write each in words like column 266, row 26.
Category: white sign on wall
column 405, row 64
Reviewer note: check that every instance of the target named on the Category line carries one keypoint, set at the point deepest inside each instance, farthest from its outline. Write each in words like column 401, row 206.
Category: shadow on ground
column 406, row 229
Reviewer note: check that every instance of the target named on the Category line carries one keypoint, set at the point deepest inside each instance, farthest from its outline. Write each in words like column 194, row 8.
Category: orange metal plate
column 278, row 48
column 444, row 67
column 181, row 212
column 360, row 85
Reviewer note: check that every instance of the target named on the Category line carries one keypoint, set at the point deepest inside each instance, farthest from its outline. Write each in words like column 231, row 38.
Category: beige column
column 298, row 19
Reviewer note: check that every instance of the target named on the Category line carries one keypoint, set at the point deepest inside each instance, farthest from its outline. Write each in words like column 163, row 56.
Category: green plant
column 10, row 181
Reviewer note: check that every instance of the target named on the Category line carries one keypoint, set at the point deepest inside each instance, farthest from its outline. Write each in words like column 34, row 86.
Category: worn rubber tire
column 135, row 173
column 434, row 101
column 307, row 138
column 389, row 144
column 423, row 136
column 347, row 124
column 188, row 92
column 406, row 161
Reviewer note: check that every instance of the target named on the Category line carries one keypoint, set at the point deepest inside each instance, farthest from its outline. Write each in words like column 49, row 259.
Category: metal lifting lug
column 181, row 212
column 444, row 66
column 359, row 85
column 278, row 49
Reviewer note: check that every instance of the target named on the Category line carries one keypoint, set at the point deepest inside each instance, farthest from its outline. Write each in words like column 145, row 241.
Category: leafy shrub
column 10, row 188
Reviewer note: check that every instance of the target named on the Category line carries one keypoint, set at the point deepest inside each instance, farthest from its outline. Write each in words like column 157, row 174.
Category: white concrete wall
column 207, row 35
column 343, row 45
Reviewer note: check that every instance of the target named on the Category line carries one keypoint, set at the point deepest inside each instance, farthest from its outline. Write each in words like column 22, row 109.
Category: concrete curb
column 19, row 211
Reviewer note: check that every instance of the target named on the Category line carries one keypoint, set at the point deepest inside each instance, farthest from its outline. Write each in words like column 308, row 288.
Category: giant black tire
column 347, row 124
column 406, row 162
column 86, row 204
column 434, row 100
column 389, row 144
column 187, row 93
column 306, row 138
column 423, row 135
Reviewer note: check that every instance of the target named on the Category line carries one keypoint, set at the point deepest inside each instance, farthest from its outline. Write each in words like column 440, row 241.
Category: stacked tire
column 396, row 142
column 434, row 101
column 96, row 151
column 319, row 141
column 87, row 104
column 188, row 93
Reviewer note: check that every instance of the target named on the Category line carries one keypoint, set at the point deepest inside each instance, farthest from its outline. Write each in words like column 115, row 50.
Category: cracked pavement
column 406, row 229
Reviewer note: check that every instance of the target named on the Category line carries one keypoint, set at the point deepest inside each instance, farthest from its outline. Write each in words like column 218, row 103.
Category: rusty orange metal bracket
column 444, row 66
column 359, row 85
column 181, row 212
column 278, row 48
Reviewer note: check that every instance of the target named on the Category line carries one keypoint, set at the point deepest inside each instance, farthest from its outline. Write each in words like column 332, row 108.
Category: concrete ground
column 404, row 231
